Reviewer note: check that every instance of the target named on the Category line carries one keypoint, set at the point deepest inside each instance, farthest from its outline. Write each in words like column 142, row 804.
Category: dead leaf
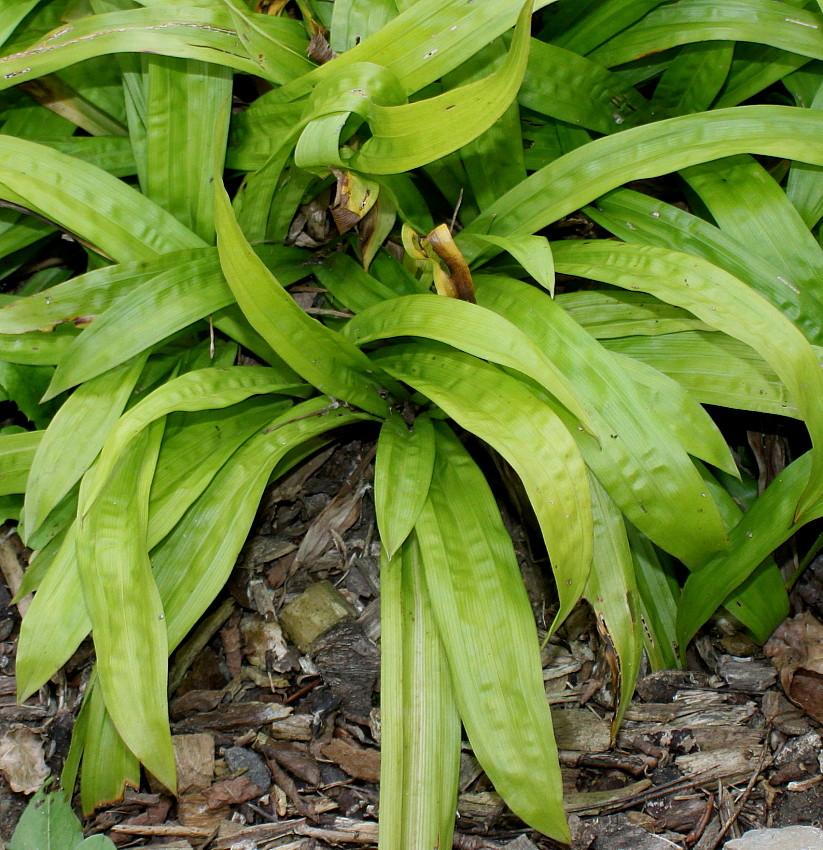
column 796, row 650
column 22, row 760
column 341, row 513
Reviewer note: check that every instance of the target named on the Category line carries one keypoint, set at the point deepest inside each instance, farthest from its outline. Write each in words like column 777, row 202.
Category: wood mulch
column 277, row 732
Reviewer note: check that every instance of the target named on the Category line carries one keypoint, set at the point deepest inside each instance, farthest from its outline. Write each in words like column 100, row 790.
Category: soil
column 275, row 707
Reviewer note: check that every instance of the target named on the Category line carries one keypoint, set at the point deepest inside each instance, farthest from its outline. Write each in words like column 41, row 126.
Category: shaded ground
column 277, row 731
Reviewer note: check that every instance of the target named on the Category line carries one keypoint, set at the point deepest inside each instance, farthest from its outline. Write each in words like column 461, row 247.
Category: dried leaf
column 22, row 760
column 796, row 650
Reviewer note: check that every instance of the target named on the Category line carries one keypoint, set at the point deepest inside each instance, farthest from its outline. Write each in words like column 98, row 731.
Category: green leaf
column 63, row 454
column 562, row 84
column 12, row 13
column 420, row 744
column 195, row 446
column 108, row 764
column 638, row 218
column 721, row 301
column 474, row 586
column 86, row 296
column 534, row 253
column 615, row 314
column 749, row 205
column 401, row 135
column 714, row 368
column 613, row 594
column 424, row 42
column 189, row 32
column 402, row 472
column 48, row 823
column 125, row 608
column 227, row 507
column 765, row 526
column 579, row 177
column 154, row 310
column 527, row 433
column 316, row 353
column 186, row 130
column 658, row 602
column 665, row 497
column 16, row 456
column 789, row 28
column 56, row 621
column 472, row 329
column 86, row 201
column 694, row 78
column 202, row 389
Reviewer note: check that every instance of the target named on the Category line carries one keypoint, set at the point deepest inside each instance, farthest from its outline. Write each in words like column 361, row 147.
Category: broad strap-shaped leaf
column 83, row 298
column 612, row 593
column 420, row 744
column 470, row 328
column 154, row 310
column 90, row 203
column 765, row 526
column 658, row 590
column 199, row 390
column 424, row 42
column 534, row 253
column 686, row 419
column 474, row 586
column 188, row 32
column 12, row 14
column 693, row 80
column 401, row 135
column 649, row 475
column 638, row 218
column 124, row 606
column 762, row 600
column 583, row 32
column 616, row 314
column 17, row 452
column 195, row 447
column 721, row 301
column 56, row 621
column 186, row 128
column 315, row 352
column 402, row 473
column 755, row 68
column 109, row 766
column 527, row 433
column 563, row 84
column 749, row 205
column 74, row 437
column 579, row 177
column 787, row 27
column 714, row 368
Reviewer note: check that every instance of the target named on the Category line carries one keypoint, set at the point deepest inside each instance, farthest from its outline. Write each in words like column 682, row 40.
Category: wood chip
column 359, row 762
column 194, row 755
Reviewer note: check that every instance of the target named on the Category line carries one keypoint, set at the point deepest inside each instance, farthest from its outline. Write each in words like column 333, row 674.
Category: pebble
column 787, row 838
column 239, row 758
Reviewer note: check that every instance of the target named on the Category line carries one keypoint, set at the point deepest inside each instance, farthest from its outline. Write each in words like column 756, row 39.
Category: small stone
column 320, row 607
column 787, row 838
column 239, row 758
